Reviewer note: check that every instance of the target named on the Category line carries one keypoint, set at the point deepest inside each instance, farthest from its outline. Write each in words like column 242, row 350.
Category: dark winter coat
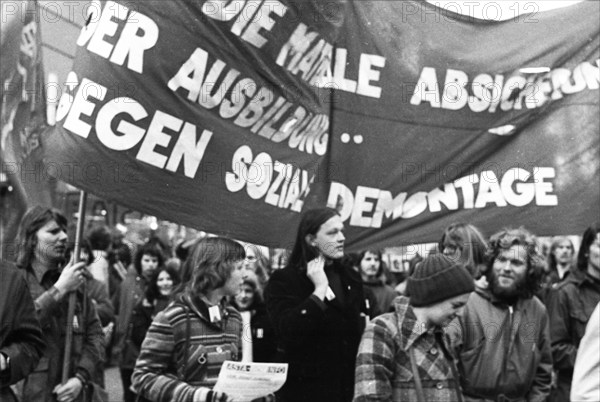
column 570, row 307
column 20, row 334
column 318, row 339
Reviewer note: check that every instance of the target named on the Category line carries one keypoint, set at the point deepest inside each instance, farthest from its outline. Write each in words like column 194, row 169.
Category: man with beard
column 502, row 338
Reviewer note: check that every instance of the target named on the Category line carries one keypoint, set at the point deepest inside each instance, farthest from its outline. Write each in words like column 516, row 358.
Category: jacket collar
column 410, row 329
column 583, row 278
column 492, row 298
column 200, row 308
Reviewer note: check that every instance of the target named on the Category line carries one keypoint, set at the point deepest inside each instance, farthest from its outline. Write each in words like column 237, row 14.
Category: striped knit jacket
column 183, row 351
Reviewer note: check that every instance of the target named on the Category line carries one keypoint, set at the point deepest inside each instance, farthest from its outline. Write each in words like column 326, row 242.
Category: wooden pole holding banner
column 73, row 294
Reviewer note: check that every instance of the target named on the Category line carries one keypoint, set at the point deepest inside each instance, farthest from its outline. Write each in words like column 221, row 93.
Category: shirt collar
column 410, row 329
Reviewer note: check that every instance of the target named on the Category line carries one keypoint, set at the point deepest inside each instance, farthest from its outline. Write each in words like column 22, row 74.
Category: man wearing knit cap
column 502, row 337
column 403, row 355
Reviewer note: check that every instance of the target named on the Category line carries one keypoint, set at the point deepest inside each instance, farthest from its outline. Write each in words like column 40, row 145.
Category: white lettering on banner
column 250, row 106
column 188, row 149
column 515, row 92
column 367, row 75
column 253, row 17
column 306, row 54
column 368, row 207
column 130, row 44
column 281, row 185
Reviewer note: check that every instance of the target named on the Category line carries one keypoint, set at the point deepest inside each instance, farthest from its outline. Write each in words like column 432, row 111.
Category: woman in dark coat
column 42, row 239
column 315, row 304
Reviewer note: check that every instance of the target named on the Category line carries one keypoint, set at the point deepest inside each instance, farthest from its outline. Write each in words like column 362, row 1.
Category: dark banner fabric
column 218, row 115
column 442, row 118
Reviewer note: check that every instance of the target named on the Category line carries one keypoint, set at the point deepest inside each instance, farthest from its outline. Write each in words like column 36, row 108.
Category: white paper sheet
column 247, row 381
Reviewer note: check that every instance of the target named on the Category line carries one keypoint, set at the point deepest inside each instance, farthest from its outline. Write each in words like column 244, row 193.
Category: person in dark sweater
column 371, row 271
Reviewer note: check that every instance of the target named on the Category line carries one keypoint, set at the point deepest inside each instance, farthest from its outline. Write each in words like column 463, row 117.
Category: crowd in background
column 349, row 327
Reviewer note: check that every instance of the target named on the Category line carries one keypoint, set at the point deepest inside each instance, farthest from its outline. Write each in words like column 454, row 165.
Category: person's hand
column 68, row 391
column 71, row 277
column 315, row 270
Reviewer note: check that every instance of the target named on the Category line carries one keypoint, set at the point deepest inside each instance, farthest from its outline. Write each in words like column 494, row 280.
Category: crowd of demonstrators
column 475, row 321
column 21, row 341
column 317, row 308
column 147, row 261
column 43, row 242
column 571, row 306
column 403, row 355
column 502, row 339
column 381, row 295
column 187, row 342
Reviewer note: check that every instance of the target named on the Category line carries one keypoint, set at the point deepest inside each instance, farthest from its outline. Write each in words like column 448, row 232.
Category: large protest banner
column 203, row 113
column 209, row 114
column 461, row 120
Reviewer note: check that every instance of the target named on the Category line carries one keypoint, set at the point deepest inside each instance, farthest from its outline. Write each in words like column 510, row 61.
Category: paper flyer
column 247, row 381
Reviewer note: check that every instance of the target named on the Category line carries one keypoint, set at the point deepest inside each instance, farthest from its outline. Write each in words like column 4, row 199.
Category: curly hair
column 210, row 264
column 507, row 238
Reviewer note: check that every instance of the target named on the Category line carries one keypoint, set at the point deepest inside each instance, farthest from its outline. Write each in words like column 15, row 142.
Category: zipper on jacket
column 509, row 343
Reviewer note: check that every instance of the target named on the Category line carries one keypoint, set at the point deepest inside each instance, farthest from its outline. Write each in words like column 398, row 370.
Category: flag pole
column 73, row 294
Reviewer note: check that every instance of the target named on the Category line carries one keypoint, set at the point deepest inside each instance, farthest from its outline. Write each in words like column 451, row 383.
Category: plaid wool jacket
column 383, row 369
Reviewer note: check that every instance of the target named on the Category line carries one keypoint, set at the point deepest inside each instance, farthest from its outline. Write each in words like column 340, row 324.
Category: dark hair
column 310, row 222
column 99, row 238
column 507, row 238
column 148, row 249
column 84, row 246
column 551, row 260
column 33, row 220
column 210, row 264
column 121, row 253
column 473, row 246
column 589, row 236
column 377, row 253
column 152, row 292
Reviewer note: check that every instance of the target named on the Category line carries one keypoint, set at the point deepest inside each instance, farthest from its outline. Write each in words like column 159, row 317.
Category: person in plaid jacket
column 403, row 355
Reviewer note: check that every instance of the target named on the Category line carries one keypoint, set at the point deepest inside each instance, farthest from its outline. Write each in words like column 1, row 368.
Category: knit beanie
column 438, row 278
